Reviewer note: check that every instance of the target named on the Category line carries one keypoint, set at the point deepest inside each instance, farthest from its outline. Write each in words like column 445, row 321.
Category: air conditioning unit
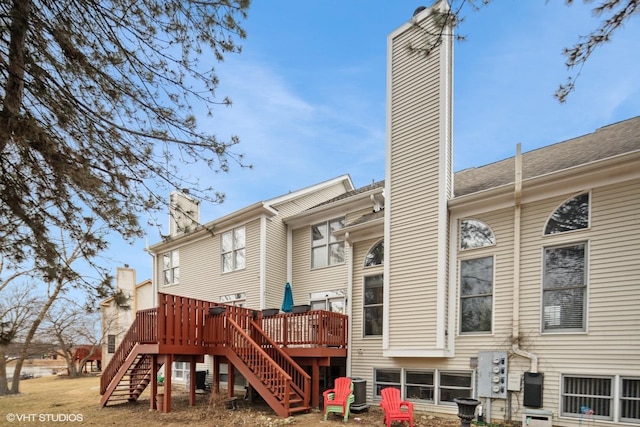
column 536, row 418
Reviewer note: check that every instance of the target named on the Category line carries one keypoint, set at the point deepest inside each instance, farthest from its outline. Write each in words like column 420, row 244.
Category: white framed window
column 383, row 378
column 171, row 268
column 334, row 301
column 375, row 256
column 587, row 396
column 596, row 397
column 238, row 300
column 111, row 343
column 476, row 294
column 326, row 249
column 629, row 403
column 180, row 371
column 428, row 386
column 571, row 215
column 419, row 385
column 454, row 384
column 564, row 288
column 475, row 234
column 373, row 304
column 232, row 245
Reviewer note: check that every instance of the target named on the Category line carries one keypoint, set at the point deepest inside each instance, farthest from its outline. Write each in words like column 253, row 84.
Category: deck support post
column 192, row 381
column 168, row 368
column 231, row 380
column 315, row 384
column 154, row 382
column 216, row 374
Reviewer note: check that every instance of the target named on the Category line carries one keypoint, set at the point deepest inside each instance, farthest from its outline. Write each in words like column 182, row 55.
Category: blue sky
column 309, row 90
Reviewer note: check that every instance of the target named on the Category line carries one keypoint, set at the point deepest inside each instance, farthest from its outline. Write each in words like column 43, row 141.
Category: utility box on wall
column 492, row 374
column 536, row 418
column 533, row 385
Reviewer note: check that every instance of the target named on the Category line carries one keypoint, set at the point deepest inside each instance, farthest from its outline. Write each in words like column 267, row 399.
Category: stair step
column 299, row 409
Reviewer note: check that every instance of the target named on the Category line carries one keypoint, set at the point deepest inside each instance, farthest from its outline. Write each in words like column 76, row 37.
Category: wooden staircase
column 135, row 380
column 128, row 372
column 279, row 380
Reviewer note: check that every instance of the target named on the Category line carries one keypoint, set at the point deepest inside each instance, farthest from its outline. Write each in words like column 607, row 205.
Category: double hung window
column 373, row 304
column 232, row 246
column 564, row 288
column 326, row 249
column 171, row 268
column 476, row 294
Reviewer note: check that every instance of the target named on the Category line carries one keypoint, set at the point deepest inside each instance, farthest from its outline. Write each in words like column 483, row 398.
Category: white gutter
column 516, row 265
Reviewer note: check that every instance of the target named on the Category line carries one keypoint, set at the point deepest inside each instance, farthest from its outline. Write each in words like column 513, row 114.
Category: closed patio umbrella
column 287, row 301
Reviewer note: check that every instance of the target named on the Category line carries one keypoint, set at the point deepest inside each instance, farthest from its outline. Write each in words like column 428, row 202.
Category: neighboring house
column 91, row 355
column 516, row 283
column 119, row 311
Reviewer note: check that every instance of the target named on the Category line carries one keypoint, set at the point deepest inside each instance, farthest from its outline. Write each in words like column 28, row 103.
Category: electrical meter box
column 492, row 374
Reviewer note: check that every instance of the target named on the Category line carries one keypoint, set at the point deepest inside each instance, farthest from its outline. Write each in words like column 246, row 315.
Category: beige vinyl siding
column 304, row 279
column 276, row 242
column 365, row 352
column 200, row 269
column 200, row 260
column 613, row 284
column 276, row 262
column 416, row 208
column 308, row 201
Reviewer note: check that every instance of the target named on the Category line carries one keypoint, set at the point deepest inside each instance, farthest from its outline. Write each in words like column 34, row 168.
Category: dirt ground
column 62, row 401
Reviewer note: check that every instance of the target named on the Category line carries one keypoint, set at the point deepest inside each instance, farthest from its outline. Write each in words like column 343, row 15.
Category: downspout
column 263, row 261
column 289, row 254
column 515, row 342
column 154, row 278
column 349, row 299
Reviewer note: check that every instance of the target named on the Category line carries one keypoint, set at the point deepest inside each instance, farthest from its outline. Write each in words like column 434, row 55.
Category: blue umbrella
column 287, row 301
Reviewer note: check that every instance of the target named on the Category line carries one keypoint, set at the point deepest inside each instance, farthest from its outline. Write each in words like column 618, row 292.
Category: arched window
column 375, row 255
column 475, row 234
column 573, row 214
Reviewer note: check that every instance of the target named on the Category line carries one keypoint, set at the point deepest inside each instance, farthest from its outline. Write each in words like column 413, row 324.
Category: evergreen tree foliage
column 97, row 119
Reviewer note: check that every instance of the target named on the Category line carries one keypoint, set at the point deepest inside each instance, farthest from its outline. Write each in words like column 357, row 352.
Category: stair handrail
column 142, row 329
column 250, row 352
column 301, row 380
column 128, row 342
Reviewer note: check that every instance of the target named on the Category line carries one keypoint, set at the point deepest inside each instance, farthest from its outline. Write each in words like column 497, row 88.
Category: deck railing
column 181, row 321
column 147, row 321
column 316, row 328
column 274, row 377
column 216, row 325
column 301, row 381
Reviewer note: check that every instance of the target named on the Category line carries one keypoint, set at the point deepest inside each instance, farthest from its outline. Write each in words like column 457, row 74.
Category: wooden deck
column 185, row 326
column 187, row 329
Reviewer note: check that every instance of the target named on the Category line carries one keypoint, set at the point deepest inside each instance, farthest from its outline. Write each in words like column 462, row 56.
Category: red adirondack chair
column 339, row 398
column 394, row 408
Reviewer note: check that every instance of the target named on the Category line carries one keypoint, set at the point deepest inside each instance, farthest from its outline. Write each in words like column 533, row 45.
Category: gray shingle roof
column 608, row 141
column 351, row 193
